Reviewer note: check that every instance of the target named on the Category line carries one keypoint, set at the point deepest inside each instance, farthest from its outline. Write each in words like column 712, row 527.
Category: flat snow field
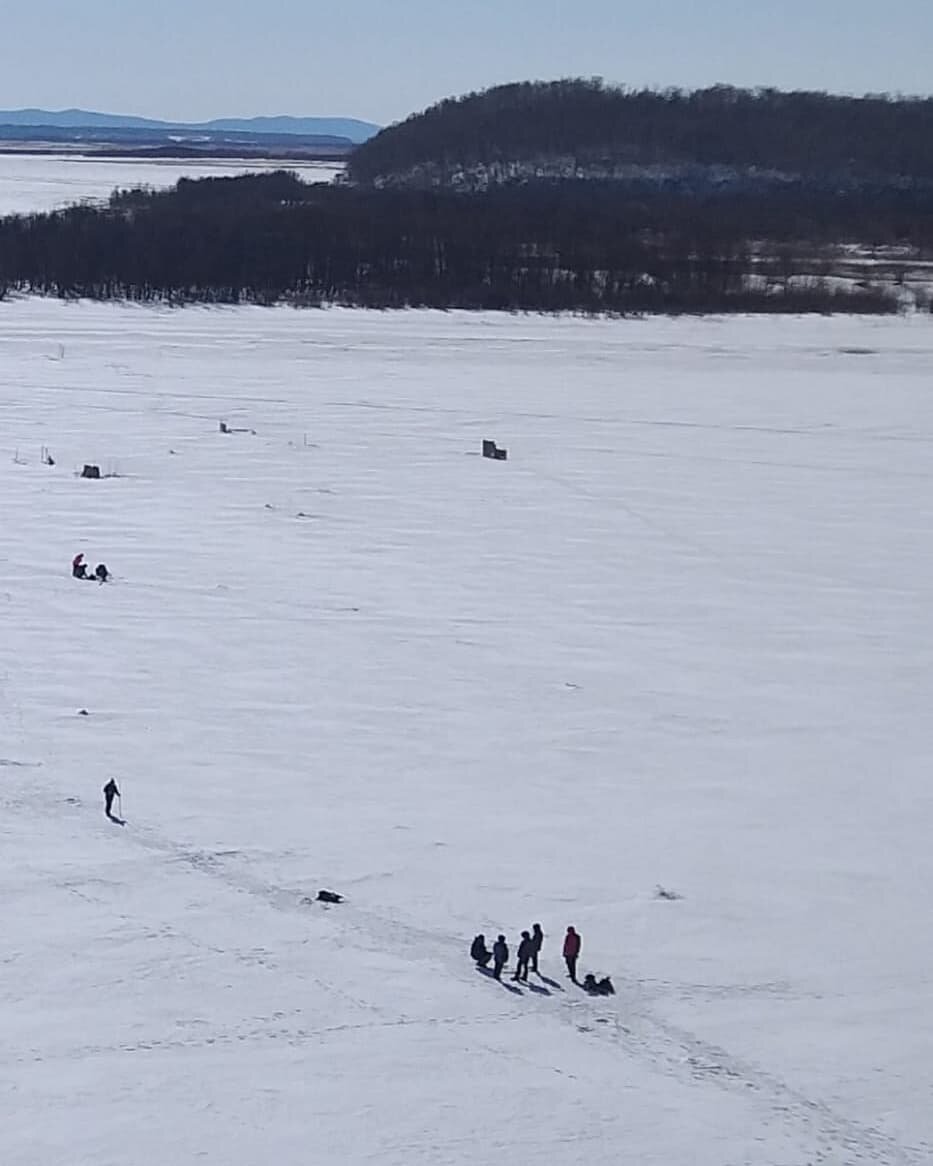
column 683, row 636
column 44, row 182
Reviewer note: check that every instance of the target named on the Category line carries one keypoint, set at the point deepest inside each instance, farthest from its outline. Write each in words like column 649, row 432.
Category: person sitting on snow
column 480, row 952
column 79, row 567
column 101, row 573
column 596, row 987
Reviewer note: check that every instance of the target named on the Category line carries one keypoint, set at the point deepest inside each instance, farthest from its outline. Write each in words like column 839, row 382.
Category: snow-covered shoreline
column 44, row 182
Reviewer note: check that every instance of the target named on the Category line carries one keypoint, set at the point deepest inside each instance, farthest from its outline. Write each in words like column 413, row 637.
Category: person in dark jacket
column 523, row 957
column 110, row 792
column 79, row 567
column 572, row 945
column 480, row 952
column 500, row 956
column 101, row 573
column 537, row 939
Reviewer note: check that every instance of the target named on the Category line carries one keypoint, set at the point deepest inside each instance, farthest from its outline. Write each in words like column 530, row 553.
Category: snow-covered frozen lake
column 683, row 636
column 44, row 182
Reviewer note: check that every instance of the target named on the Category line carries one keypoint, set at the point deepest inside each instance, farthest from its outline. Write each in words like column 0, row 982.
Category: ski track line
column 157, row 394
column 665, row 1047
column 286, row 1034
column 675, row 1050
column 501, row 417
column 662, row 1046
column 731, row 564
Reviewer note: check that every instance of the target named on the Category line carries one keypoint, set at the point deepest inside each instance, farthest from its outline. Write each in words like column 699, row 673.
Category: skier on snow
column 110, row 792
column 79, row 567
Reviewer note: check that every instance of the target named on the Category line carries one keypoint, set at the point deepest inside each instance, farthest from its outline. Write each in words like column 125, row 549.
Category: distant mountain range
column 348, row 128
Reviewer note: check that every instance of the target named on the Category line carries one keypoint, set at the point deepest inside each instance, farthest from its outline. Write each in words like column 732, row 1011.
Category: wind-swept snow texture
column 683, row 637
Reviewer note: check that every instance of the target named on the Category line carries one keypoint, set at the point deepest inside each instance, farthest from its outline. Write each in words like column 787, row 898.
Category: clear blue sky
column 382, row 59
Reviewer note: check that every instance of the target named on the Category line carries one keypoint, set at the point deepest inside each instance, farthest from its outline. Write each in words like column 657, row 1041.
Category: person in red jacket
column 571, row 952
column 79, row 567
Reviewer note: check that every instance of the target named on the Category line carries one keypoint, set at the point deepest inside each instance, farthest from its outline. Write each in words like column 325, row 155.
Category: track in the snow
column 629, row 1024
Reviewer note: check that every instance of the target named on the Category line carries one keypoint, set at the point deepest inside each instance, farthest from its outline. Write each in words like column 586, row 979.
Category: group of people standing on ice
column 526, row 958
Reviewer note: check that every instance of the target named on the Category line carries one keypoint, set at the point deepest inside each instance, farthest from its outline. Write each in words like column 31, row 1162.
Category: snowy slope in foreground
column 45, row 182
column 682, row 636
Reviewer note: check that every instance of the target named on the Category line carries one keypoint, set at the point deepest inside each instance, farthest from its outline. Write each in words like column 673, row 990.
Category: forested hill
column 585, row 128
column 573, row 246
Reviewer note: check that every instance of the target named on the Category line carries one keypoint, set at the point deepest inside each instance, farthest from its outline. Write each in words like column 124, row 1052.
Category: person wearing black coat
column 537, row 939
column 500, row 956
column 110, row 792
column 525, row 952
column 480, row 952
